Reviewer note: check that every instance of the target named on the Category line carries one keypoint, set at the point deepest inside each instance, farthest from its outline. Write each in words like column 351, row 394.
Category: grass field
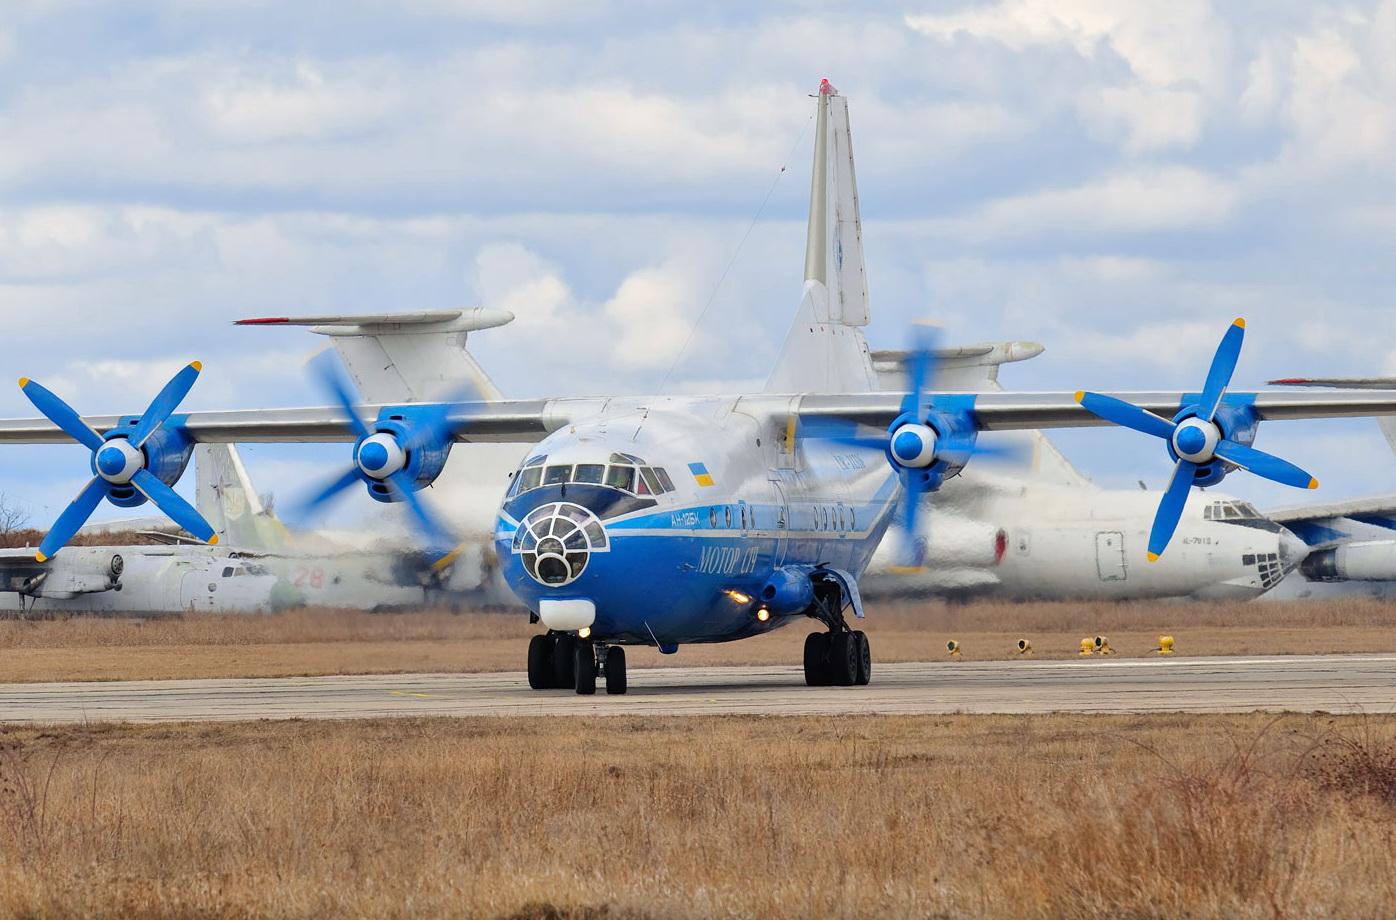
column 1057, row 816
column 334, row 642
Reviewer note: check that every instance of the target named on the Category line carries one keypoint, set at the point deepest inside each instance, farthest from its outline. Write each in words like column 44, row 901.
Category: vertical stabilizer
column 834, row 242
column 225, row 497
column 825, row 351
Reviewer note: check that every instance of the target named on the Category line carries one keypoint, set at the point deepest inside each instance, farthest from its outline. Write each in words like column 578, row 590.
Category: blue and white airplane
column 667, row 520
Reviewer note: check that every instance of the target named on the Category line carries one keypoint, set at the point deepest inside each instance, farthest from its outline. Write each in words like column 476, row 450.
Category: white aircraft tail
column 404, row 357
column 225, row 497
column 825, row 351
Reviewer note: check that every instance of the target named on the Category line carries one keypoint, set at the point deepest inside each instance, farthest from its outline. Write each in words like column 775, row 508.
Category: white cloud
column 1163, row 43
column 652, row 313
column 1143, row 200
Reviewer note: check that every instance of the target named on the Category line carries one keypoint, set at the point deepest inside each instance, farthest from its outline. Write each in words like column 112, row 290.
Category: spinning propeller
column 122, row 461
column 385, row 457
column 924, row 444
column 1195, row 439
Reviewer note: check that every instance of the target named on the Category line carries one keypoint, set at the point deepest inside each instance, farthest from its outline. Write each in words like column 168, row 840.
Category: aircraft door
column 196, row 590
column 1110, row 555
column 781, row 523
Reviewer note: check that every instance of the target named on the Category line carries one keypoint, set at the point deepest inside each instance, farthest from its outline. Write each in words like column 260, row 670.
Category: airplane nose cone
column 1292, row 550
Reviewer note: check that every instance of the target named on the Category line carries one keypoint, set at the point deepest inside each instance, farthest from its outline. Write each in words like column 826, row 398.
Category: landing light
column 763, row 614
column 953, row 648
column 739, row 597
column 584, row 632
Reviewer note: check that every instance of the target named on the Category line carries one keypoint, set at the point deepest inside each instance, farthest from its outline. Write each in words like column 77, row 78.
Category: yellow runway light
column 1165, row 645
column 1087, row 647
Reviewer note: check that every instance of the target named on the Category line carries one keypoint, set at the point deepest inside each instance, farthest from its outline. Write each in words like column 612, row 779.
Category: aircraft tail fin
column 404, row 357
column 825, row 351
column 225, row 497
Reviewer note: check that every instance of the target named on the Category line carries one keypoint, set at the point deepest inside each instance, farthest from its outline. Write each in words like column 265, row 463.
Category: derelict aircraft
column 666, row 520
column 256, row 566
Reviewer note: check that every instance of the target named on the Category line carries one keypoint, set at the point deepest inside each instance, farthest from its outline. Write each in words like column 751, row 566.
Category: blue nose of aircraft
column 110, row 461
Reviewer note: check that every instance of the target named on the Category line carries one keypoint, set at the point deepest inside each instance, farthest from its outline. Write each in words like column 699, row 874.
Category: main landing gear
column 563, row 661
column 840, row 657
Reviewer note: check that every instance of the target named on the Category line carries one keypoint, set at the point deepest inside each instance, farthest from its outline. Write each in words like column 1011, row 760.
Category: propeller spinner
column 122, row 461
column 1195, row 439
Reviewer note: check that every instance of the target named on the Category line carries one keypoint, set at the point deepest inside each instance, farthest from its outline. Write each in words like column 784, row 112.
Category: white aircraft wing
column 525, row 421
column 505, row 421
column 1008, row 411
column 1379, row 510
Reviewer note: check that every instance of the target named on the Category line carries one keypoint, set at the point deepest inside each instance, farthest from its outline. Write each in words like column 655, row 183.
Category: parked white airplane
column 1040, row 530
column 665, row 520
column 258, row 565
column 1352, row 551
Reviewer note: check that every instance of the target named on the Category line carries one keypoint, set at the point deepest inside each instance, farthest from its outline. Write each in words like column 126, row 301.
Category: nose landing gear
column 562, row 661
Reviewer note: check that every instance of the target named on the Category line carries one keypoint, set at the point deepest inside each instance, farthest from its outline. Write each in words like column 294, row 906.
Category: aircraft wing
column 502, row 421
column 1380, row 511
column 525, row 421
column 1008, row 411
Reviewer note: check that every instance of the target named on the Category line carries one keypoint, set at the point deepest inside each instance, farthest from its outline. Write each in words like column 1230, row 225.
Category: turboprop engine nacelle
column 1367, row 561
column 789, row 591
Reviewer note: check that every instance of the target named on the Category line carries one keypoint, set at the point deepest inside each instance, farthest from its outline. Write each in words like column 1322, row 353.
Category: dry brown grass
column 1056, row 816
column 349, row 642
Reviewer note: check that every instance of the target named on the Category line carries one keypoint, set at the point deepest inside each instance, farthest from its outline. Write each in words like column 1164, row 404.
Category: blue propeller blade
column 1223, row 366
column 913, row 489
column 877, row 440
column 401, row 484
column 61, row 414
column 175, row 507
column 329, row 375
column 165, row 402
column 1267, row 465
column 1125, row 414
column 73, row 517
column 345, row 480
column 1170, row 509
column 920, row 370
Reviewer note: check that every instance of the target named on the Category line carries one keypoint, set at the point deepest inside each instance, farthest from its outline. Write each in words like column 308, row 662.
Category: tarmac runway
column 1328, row 683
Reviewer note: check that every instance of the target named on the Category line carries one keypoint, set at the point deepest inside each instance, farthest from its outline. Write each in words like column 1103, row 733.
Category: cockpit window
column 529, row 478
column 621, row 477
column 590, row 472
column 1231, row 511
column 625, row 471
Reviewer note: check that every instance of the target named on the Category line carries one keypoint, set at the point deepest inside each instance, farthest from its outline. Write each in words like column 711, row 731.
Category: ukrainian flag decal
column 701, row 474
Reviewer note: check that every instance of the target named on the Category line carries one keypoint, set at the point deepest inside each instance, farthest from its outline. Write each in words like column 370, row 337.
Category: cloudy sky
column 1116, row 179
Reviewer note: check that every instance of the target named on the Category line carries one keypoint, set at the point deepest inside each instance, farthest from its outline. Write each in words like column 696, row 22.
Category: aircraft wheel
column 843, row 659
column 817, row 659
column 615, row 670
column 864, row 659
column 540, row 665
column 564, row 661
column 585, row 668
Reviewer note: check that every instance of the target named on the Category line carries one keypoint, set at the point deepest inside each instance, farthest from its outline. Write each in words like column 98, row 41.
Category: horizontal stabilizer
column 386, row 323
